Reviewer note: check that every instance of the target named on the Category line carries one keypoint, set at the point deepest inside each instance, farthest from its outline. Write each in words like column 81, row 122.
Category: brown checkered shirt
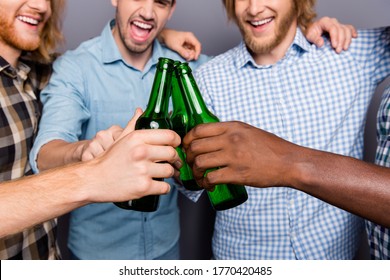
column 19, row 114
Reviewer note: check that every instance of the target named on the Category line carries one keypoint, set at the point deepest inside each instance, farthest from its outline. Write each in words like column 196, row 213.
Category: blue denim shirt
column 91, row 89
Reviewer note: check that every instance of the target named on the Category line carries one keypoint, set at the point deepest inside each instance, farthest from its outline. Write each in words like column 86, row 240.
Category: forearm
column 38, row 198
column 353, row 185
column 58, row 153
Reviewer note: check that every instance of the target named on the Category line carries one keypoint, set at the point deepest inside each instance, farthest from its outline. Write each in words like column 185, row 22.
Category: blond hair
column 51, row 36
column 305, row 11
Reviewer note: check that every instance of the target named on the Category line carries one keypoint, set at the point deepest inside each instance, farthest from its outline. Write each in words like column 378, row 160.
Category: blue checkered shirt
column 312, row 97
column 379, row 236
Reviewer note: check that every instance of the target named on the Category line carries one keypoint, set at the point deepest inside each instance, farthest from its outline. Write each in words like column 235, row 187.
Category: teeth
column 142, row 25
column 28, row 20
column 261, row 22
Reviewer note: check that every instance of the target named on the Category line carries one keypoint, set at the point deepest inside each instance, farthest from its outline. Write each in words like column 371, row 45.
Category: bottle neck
column 199, row 111
column 159, row 98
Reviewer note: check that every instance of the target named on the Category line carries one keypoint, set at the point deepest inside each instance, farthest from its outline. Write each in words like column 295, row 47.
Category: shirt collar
column 22, row 71
column 111, row 52
column 299, row 45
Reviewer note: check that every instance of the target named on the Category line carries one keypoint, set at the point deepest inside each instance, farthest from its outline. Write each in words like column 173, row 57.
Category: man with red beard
column 29, row 33
column 277, row 81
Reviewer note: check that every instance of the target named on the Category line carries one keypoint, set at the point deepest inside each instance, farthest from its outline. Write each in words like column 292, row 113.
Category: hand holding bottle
column 247, row 155
column 154, row 117
column 223, row 196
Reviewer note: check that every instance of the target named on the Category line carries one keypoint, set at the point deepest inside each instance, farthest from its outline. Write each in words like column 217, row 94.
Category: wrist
column 299, row 168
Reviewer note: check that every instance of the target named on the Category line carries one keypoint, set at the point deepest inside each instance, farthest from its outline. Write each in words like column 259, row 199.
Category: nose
column 147, row 9
column 255, row 7
column 39, row 5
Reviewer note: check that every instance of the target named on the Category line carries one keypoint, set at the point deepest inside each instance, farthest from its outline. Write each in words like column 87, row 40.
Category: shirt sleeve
column 371, row 50
column 64, row 110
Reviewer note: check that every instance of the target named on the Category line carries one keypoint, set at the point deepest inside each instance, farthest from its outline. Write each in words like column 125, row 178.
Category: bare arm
column 253, row 157
column 184, row 43
column 58, row 152
column 125, row 171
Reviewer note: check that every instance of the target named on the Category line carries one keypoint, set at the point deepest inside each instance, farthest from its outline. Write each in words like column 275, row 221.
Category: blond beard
column 263, row 46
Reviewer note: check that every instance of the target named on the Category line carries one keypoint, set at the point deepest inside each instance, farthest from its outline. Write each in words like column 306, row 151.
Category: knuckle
column 139, row 152
column 143, row 170
column 170, row 171
column 199, row 162
column 143, row 184
column 197, row 130
column 210, row 179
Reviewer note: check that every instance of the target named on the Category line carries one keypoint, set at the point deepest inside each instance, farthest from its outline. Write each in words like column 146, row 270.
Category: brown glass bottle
column 224, row 196
column 155, row 116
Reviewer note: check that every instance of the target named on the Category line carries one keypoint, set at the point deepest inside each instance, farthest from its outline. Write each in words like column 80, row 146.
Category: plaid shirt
column 19, row 115
column 312, row 97
column 379, row 236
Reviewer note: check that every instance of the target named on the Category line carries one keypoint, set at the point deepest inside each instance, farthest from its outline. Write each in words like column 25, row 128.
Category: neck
column 10, row 54
column 278, row 52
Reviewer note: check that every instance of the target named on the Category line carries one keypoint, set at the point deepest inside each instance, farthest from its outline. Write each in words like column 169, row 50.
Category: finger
column 218, row 176
column 106, row 138
column 161, row 170
column 93, row 150
column 158, row 137
column 194, row 45
column 353, row 30
column 184, row 52
column 334, row 36
column 206, row 162
column 319, row 42
column 348, row 38
column 203, row 131
column 342, row 36
column 197, row 50
column 163, row 187
column 157, row 187
column 162, row 154
column 131, row 124
column 314, row 35
column 203, row 146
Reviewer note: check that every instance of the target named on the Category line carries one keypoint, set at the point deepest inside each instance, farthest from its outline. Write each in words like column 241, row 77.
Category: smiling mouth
column 261, row 22
column 28, row 20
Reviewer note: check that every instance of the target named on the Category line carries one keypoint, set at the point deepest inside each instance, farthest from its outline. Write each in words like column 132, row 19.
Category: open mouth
column 141, row 30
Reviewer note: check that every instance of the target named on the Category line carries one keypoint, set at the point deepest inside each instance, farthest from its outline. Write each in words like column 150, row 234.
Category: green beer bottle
column 155, row 116
column 224, row 196
column 180, row 119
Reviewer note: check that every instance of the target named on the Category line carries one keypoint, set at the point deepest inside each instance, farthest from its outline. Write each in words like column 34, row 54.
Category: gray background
column 85, row 19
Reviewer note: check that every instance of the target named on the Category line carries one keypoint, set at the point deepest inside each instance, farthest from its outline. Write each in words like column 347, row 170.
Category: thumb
column 130, row 127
